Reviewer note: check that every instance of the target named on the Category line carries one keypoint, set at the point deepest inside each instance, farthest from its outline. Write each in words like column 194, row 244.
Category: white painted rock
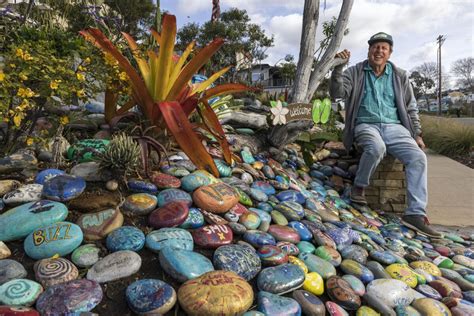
column 27, row 193
column 392, row 292
column 4, row 251
column 115, row 266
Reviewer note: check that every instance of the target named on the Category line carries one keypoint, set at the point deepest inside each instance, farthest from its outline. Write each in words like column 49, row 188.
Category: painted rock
column 24, row 194
column 272, row 255
column 150, row 296
column 184, row 265
column 391, row 292
column 284, row 233
column 384, row 257
column 378, row 270
column 305, row 246
column 355, row 284
column 313, row 283
column 8, row 185
column 175, row 171
column 140, row 203
column 171, row 214
column 429, row 306
column 239, row 259
column 428, row 291
column 70, row 298
column 367, row 311
column 265, row 187
column 85, row 256
column 193, row 181
column 212, row 218
column 237, row 228
column 356, row 269
column 258, row 238
column 258, row 195
column 329, row 254
column 54, row 271
column 60, row 238
column 212, row 236
column 63, row 187
column 454, row 276
column 322, row 239
column 175, row 238
column 216, row 293
column 250, row 220
column 20, row 292
column 217, row 198
column 301, row 229
column 11, row 269
column 291, row 195
column 5, row 252
column 379, row 305
column 443, row 262
column 47, row 174
column 298, row 262
column 341, row 237
column 272, row 304
column 195, row 219
column 96, row 226
column 280, row 279
column 22, row 220
column 402, row 272
column 316, row 264
column 288, row 247
column 340, row 291
column 291, row 210
column 174, row 195
column 165, row 181
column 125, row 238
column 278, row 218
column 355, row 252
column 141, row 186
column 87, row 149
column 335, row 310
column 446, row 288
column 465, row 261
column 17, row 311
column 310, row 303
column 115, row 266
column 426, row 266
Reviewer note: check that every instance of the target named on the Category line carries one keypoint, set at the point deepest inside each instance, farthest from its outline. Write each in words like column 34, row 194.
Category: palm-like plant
column 162, row 90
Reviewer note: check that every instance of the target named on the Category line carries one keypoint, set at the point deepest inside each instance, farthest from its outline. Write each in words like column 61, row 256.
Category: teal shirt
column 378, row 102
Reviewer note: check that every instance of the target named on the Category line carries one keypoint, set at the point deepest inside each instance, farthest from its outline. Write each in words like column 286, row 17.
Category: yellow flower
column 123, row 76
column 19, row 52
column 63, row 120
column 54, row 84
column 80, row 76
column 18, row 118
column 2, row 76
column 23, row 77
column 87, row 60
column 80, row 93
column 27, row 57
column 13, row 65
column 110, row 60
column 24, row 104
column 29, row 141
column 25, row 93
column 81, row 68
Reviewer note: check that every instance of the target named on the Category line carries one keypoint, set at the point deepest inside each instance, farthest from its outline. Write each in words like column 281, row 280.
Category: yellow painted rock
column 429, row 306
column 314, row 283
column 300, row 263
column 427, row 267
column 403, row 273
column 216, row 293
column 366, row 311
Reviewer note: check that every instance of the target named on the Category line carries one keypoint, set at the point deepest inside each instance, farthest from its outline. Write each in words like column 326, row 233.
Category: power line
column 440, row 40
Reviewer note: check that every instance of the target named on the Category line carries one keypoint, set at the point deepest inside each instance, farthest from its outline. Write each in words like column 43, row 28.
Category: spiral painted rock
column 55, row 271
column 20, row 292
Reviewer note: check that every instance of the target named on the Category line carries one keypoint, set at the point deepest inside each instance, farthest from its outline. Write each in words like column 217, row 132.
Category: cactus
column 122, row 155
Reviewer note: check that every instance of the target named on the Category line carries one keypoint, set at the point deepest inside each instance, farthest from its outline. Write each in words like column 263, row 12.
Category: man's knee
column 376, row 149
column 418, row 157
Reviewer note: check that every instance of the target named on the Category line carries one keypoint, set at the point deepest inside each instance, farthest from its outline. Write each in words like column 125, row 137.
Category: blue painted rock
column 194, row 219
column 171, row 214
column 24, row 194
column 63, row 187
column 316, row 264
column 217, row 198
column 310, row 303
column 384, row 257
column 280, row 279
column 216, row 293
column 302, row 230
column 250, row 220
column 85, row 256
column 356, row 269
column 264, row 206
column 341, row 237
column 265, row 218
column 258, row 238
column 355, row 284
column 265, row 187
column 268, row 172
column 175, row 238
column 47, row 174
column 150, row 296
column 329, row 254
column 239, row 259
column 212, row 236
column 59, row 238
column 193, row 181
column 22, row 220
column 305, row 246
column 165, row 181
column 272, row 255
column 284, row 233
column 141, row 186
column 11, row 269
column 428, row 291
column 272, row 304
column 322, row 239
column 291, row 195
column 94, row 106
column 340, row 291
column 115, row 266
column 184, row 265
column 69, row 298
column 174, row 195
column 355, row 252
column 258, row 195
column 54, row 271
column 96, row 226
column 20, row 292
column 288, row 247
column 125, row 238
column 291, row 210
column 140, row 203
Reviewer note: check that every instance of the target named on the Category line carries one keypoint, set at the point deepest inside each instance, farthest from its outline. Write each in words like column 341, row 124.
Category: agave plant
column 161, row 87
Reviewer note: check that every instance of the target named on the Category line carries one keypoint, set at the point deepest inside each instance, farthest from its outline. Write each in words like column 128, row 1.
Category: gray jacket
column 350, row 87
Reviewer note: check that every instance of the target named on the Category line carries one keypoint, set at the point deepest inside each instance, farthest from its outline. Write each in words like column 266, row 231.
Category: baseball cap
column 381, row 37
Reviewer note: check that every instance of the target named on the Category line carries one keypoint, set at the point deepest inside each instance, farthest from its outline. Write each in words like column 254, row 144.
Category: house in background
column 267, row 77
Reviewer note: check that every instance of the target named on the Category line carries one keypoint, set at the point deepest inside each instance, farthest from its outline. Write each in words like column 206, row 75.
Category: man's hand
column 420, row 142
column 345, row 54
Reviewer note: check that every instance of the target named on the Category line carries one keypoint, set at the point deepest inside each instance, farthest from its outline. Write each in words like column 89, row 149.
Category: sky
column 414, row 25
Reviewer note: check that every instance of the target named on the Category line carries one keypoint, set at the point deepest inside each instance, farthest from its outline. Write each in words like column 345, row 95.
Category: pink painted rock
column 169, row 215
column 212, row 236
column 216, row 197
column 165, row 181
column 284, row 233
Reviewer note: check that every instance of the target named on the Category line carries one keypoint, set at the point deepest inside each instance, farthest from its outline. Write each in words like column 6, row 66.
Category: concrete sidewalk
column 450, row 192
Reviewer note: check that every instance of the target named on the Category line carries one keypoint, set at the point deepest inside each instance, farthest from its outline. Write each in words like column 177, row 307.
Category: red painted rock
column 212, row 236
column 272, row 255
column 169, row 215
column 443, row 250
column 340, row 291
column 284, row 233
column 17, row 311
column 216, row 197
column 165, row 181
column 212, row 218
column 446, row 288
column 96, row 226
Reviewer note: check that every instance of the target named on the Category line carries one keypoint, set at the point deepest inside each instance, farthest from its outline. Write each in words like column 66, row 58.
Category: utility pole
column 440, row 40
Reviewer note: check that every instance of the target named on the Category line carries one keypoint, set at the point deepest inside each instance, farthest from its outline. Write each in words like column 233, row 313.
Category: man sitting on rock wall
column 382, row 117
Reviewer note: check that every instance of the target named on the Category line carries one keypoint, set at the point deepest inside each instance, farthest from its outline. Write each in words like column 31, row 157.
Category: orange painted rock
column 216, row 293
column 216, row 198
column 96, row 226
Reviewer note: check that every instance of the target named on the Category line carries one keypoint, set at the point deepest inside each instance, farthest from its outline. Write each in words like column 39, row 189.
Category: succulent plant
column 122, row 155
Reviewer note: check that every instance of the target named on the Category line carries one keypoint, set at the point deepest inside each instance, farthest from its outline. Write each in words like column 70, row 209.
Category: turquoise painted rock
column 184, row 265
column 175, row 238
column 22, row 220
column 85, row 256
column 47, row 174
column 87, row 149
column 125, row 238
column 150, row 296
column 258, row 195
column 140, row 203
column 272, row 255
column 115, row 266
column 20, row 292
column 193, row 181
column 354, row 268
column 237, row 258
column 316, row 264
column 305, row 246
column 11, row 269
column 391, row 292
column 224, row 169
column 59, row 238
column 340, row 291
column 258, row 238
column 272, row 304
column 174, row 195
column 63, row 187
column 280, row 279
column 310, row 303
column 355, row 284
column 54, row 271
column 194, row 219
column 24, row 194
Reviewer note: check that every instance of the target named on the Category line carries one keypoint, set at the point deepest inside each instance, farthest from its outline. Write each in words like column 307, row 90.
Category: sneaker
column 358, row 195
column 421, row 224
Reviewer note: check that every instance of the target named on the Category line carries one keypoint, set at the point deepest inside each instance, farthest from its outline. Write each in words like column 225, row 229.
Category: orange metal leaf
column 224, row 88
column 179, row 65
column 156, row 36
column 142, row 63
column 204, row 85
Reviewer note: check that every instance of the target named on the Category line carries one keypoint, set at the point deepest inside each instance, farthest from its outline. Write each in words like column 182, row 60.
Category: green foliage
column 122, row 155
column 447, row 136
column 421, row 84
column 287, row 70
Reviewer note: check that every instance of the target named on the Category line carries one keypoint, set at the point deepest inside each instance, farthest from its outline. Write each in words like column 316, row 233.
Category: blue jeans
column 377, row 139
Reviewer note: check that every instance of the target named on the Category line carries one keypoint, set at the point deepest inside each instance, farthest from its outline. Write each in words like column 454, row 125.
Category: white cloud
column 187, row 7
